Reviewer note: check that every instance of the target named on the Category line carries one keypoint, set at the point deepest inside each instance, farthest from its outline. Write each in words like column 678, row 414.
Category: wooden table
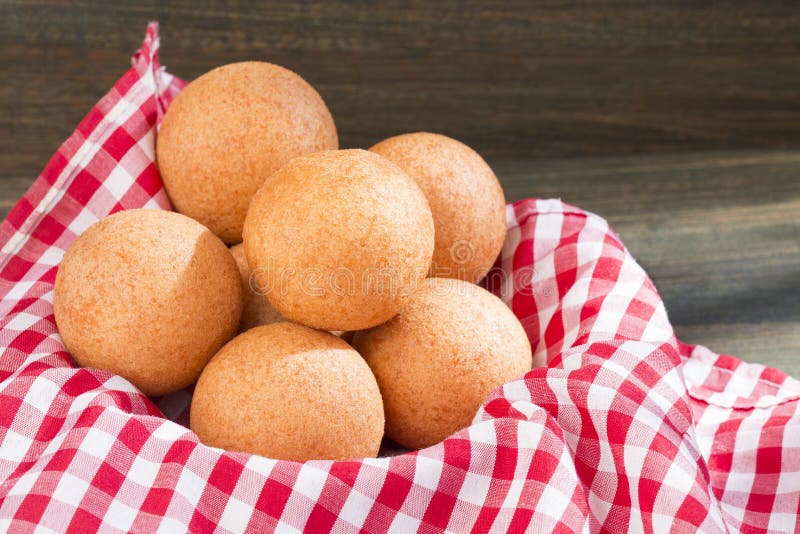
column 719, row 233
column 537, row 87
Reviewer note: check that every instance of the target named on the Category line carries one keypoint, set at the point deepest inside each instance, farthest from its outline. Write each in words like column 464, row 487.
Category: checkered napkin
column 624, row 428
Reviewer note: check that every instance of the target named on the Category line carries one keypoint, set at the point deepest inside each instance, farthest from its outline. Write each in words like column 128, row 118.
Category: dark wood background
column 678, row 121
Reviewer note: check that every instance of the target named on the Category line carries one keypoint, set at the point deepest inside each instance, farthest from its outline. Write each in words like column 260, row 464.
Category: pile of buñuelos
column 347, row 305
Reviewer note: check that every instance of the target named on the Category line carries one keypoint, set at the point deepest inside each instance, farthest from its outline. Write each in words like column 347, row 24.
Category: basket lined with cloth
column 621, row 428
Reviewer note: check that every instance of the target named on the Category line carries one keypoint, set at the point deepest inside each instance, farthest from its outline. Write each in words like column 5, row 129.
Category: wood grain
column 719, row 234
column 514, row 79
column 545, row 90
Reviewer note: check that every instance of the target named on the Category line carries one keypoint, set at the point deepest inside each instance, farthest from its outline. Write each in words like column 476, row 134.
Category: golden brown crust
column 439, row 359
column 464, row 195
column 289, row 392
column 150, row 295
column 257, row 309
column 228, row 131
column 338, row 239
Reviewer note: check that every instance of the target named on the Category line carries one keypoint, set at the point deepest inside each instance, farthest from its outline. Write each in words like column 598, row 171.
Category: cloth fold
column 622, row 428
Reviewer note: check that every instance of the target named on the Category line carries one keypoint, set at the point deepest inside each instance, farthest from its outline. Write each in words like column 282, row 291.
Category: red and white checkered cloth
column 624, row 429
